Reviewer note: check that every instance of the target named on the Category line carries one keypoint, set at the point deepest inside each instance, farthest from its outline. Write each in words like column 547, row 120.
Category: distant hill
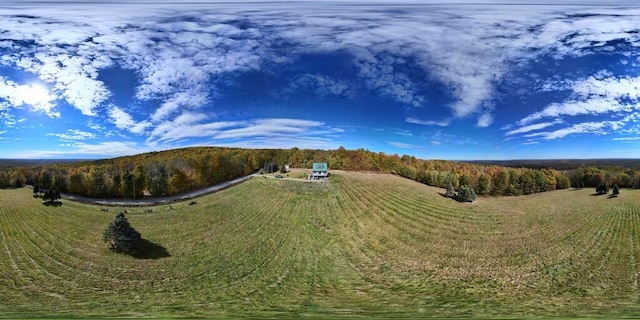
column 563, row 164
column 14, row 163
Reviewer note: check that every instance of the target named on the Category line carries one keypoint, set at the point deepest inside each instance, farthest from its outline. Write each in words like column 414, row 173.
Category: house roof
column 320, row 166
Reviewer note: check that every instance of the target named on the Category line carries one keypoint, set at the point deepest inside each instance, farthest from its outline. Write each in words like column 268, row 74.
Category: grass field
column 363, row 244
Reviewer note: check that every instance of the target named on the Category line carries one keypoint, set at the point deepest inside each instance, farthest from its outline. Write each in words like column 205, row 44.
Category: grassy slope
column 365, row 243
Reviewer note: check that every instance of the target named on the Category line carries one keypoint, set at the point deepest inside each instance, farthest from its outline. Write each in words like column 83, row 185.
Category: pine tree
column 466, row 194
column 51, row 195
column 616, row 190
column 451, row 191
column 121, row 236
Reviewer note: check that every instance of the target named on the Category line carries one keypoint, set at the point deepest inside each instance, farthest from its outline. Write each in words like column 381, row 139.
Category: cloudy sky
column 474, row 80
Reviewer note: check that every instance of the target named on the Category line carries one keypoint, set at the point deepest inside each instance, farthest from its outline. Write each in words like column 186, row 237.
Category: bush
column 121, row 236
column 616, row 190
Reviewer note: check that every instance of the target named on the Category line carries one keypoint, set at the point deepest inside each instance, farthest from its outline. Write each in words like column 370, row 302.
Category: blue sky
column 474, row 80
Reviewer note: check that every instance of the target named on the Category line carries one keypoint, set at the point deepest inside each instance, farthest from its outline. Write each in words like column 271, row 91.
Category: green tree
column 499, row 182
column 484, row 184
column 616, row 190
column 139, row 179
column 466, row 194
column 121, row 236
column 451, row 191
column 158, row 180
column 602, row 188
column 97, row 182
column 51, row 195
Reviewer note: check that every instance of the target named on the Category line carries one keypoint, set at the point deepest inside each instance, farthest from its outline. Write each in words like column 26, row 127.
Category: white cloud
column 80, row 150
column 18, row 95
column 196, row 125
column 485, row 120
column 533, row 127
column 73, row 135
column 403, row 145
column 122, row 120
column 284, row 143
column 269, row 127
column 321, row 85
column 574, row 108
column 595, row 95
column 599, row 128
column 626, row 139
column 442, row 123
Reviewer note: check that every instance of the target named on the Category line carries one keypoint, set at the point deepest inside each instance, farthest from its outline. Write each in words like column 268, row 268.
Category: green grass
column 362, row 245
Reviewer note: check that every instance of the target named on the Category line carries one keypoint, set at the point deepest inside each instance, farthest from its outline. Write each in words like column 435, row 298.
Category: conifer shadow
column 149, row 250
column 52, row 203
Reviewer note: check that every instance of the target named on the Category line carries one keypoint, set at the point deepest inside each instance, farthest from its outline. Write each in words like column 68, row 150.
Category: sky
column 472, row 80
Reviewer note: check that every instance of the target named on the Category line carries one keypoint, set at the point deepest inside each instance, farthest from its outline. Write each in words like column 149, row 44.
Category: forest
column 177, row 171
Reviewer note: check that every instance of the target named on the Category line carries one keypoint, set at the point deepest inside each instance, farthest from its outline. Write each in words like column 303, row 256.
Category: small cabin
column 320, row 170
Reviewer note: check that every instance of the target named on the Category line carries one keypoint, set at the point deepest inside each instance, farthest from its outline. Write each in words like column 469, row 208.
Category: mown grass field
column 363, row 244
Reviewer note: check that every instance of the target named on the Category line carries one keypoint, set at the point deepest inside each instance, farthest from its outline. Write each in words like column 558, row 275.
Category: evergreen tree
column 121, row 236
column 466, row 194
column 451, row 191
column 602, row 188
column 36, row 190
column 616, row 190
column 51, row 195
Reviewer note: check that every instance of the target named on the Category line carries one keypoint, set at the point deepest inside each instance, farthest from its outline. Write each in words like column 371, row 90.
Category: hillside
column 372, row 244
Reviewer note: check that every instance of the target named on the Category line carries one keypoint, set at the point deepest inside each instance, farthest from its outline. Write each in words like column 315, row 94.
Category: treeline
column 181, row 170
column 592, row 177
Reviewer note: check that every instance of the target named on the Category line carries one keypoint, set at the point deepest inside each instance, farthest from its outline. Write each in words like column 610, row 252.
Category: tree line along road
column 157, row 200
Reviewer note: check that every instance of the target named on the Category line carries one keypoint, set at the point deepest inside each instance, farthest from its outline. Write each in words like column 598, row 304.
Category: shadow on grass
column 444, row 195
column 597, row 194
column 612, row 196
column 52, row 204
column 149, row 250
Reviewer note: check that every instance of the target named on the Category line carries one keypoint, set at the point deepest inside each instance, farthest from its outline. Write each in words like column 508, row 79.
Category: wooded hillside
column 177, row 171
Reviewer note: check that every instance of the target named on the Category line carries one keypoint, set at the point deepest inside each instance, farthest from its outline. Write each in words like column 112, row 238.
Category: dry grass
column 362, row 244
